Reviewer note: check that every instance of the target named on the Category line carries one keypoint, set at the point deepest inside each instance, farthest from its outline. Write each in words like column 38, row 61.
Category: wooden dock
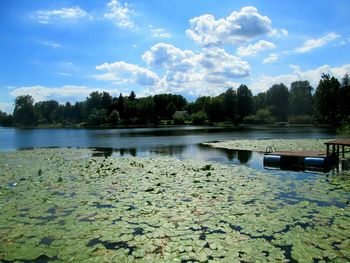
column 336, row 144
column 302, row 160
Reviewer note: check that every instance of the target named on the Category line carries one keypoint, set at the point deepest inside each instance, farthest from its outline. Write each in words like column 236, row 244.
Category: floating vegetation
column 279, row 144
column 95, row 209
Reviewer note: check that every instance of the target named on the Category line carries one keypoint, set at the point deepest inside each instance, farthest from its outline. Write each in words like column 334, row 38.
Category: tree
column 45, row 110
column 5, row 119
column 216, row 110
column 230, row 104
column 114, row 117
column 24, row 114
column 344, row 99
column 146, row 110
column 132, row 96
column 244, row 102
column 259, row 101
column 277, row 98
column 94, row 101
column 326, row 99
column 300, row 98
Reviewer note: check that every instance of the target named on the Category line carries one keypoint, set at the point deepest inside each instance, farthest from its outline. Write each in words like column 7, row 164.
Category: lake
column 180, row 142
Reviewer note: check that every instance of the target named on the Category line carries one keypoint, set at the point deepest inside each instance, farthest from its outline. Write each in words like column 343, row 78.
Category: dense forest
column 298, row 104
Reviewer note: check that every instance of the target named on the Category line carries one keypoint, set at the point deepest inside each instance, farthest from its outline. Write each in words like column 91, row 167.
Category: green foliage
column 199, row 118
column 24, row 113
column 330, row 104
column 277, row 97
column 114, row 117
column 6, row 120
column 263, row 116
column 326, row 100
column 300, row 119
column 244, row 102
column 179, row 120
column 300, row 98
column 344, row 130
column 97, row 117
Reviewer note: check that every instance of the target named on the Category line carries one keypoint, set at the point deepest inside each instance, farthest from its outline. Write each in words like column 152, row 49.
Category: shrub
column 300, row 119
column 263, row 116
column 199, row 117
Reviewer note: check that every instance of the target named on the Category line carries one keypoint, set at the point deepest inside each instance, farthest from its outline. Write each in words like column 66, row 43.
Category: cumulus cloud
column 61, row 94
column 169, row 57
column 315, row 43
column 120, row 14
column 126, row 72
column 253, row 49
column 264, row 82
column 205, row 73
column 236, row 28
column 217, row 62
column 50, row 16
column 273, row 57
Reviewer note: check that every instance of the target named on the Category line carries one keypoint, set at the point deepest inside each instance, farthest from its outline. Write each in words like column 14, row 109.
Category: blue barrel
column 314, row 162
column 271, row 160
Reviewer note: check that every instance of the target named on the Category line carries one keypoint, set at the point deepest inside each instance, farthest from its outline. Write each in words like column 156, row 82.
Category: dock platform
column 298, row 160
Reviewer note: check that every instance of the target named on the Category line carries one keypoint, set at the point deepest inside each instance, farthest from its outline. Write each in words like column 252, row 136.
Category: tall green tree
column 326, row 100
column 244, row 102
column 259, row 101
column 300, row 98
column 46, row 111
column 277, row 99
column 24, row 113
column 344, row 99
column 230, row 104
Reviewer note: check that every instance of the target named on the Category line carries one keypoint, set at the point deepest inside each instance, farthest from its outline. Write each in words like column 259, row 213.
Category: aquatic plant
column 96, row 209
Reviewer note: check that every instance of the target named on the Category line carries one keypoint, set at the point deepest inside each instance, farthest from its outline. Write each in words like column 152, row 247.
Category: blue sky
column 65, row 49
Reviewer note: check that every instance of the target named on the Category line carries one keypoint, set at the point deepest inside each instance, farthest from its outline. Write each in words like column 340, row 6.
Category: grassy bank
column 63, row 205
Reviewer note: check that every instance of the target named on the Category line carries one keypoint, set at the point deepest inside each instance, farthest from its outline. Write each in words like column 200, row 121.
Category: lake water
column 179, row 142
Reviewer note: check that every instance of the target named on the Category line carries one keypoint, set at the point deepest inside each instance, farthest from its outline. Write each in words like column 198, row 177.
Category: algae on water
column 62, row 205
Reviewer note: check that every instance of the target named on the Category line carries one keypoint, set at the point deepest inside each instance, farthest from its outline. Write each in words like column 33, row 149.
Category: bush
column 179, row 120
column 300, row 119
column 263, row 116
column 199, row 117
column 344, row 130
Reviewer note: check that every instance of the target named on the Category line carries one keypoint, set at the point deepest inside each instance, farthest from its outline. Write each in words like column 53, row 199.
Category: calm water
column 180, row 142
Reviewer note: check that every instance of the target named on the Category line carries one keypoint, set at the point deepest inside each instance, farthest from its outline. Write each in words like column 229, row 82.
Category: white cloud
column 273, row 57
column 253, row 49
column 126, row 72
column 160, row 33
column 217, row 62
column 120, row 14
column 63, row 14
column 279, row 32
column 51, row 44
column 238, row 27
column 169, row 57
column 263, row 83
column 61, row 94
column 206, row 73
column 7, row 107
column 315, row 43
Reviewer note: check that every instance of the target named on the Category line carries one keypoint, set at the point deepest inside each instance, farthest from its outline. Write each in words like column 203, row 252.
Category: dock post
column 327, row 150
column 338, row 151
column 343, row 150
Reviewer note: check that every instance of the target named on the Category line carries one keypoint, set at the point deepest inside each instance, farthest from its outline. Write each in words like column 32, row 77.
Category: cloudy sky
column 65, row 49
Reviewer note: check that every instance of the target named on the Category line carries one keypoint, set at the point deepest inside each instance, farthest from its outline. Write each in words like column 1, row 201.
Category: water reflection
column 197, row 152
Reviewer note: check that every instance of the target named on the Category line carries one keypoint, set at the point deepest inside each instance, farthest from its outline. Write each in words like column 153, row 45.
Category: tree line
column 329, row 104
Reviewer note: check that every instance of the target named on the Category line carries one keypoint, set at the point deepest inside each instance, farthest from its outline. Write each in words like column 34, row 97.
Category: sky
column 65, row 49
